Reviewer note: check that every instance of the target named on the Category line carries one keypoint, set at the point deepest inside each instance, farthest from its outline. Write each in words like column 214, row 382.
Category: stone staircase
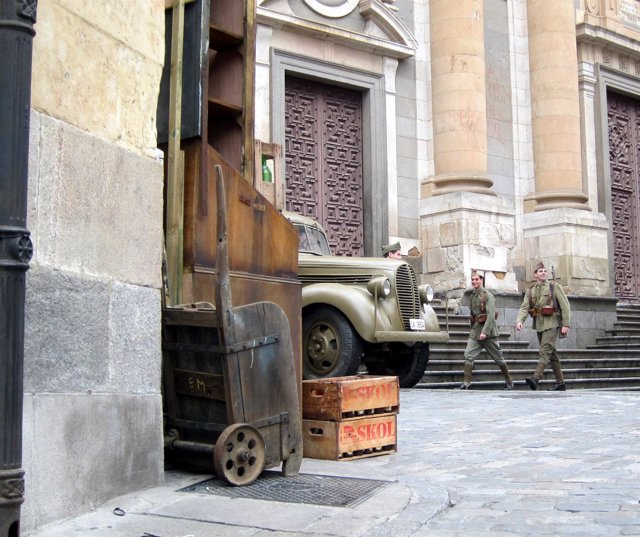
column 613, row 363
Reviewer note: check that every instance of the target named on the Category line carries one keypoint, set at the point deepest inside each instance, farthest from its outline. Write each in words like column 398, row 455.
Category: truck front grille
column 408, row 296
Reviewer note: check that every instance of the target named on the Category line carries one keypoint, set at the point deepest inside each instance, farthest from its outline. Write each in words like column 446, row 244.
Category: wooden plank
column 338, row 398
column 175, row 175
column 249, row 88
column 349, row 439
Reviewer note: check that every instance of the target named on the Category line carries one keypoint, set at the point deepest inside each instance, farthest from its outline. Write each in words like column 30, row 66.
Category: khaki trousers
column 548, row 354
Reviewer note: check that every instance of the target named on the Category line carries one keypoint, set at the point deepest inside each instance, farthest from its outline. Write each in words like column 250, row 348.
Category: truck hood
column 322, row 264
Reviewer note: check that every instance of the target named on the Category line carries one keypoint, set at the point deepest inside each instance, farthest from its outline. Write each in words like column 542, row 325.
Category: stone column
column 464, row 224
column 459, row 97
column 561, row 229
column 555, row 105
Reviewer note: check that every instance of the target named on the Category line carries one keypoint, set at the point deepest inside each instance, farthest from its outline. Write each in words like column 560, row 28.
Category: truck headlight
column 426, row 293
column 379, row 286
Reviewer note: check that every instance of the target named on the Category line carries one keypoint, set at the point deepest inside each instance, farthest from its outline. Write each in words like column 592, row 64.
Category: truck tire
column 330, row 345
column 408, row 365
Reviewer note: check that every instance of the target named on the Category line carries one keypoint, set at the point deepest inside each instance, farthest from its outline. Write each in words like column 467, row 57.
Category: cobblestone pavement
column 469, row 464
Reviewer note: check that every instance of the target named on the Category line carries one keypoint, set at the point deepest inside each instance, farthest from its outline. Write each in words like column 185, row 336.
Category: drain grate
column 313, row 489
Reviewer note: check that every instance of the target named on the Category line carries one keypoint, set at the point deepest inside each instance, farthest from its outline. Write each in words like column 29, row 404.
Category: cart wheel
column 239, row 454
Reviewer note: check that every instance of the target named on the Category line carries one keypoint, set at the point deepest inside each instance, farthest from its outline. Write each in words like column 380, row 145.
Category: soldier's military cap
column 390, row 248
column 476, row 274
column 539, row 266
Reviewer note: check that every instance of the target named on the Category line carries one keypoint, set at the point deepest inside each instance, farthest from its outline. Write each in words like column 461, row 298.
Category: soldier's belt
column 546, row 311
column 482, row 318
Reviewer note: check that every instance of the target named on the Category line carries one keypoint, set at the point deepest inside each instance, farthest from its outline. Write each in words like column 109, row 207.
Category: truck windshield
column 312, row 240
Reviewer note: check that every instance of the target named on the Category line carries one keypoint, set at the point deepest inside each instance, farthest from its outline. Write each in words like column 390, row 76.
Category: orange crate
column 350, row 439
column 347, row 397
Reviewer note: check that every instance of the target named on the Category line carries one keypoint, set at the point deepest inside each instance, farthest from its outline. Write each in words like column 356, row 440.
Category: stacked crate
column 350, row 417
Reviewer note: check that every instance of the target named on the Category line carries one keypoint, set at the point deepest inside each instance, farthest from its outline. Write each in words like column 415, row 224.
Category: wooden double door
column 323, row 159
column 624, row 158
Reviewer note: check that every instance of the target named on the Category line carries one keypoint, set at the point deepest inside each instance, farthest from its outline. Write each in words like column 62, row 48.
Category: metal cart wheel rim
column 239, row 454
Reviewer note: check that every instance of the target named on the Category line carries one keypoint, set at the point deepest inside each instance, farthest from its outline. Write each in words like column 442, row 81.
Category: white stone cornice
column 604, row 37
column 398, row 41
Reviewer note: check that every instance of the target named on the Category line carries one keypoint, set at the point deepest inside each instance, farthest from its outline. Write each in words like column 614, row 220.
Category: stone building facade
column 485, row 131
column 481, row 133
column 92, row 404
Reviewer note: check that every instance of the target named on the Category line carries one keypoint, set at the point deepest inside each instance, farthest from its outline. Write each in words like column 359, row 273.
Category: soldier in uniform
column 392, row 251
column 549, row 307
column 483, row 333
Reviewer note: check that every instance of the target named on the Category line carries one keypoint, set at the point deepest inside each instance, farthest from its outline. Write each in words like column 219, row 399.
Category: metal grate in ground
column 332, row 491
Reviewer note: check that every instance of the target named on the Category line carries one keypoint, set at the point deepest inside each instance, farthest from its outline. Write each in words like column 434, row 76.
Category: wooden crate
column 354, row 438
column 347, row 397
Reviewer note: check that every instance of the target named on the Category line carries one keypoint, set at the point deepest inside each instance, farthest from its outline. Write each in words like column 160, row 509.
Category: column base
column 559, row 199
column 575, row 244
column 448, row 183
column 461, row 231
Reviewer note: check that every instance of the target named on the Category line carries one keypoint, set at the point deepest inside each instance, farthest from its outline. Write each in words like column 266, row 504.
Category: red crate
column 350, row 439
column 340, row 398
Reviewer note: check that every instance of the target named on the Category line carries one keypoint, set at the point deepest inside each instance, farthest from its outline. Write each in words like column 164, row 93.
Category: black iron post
column 17, row 18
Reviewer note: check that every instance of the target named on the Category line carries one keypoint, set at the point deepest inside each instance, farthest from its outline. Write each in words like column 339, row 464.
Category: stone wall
column 92, row 406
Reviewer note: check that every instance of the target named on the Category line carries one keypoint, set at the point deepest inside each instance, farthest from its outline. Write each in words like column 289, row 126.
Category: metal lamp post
column 17, row 18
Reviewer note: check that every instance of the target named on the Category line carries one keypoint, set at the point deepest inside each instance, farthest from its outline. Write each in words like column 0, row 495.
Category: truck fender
column 355, row 303
column 432, row 324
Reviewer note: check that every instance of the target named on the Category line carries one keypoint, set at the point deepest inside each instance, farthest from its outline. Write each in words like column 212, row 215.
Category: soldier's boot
column 534, row 381
column 508, row 381
column 466, row 379
column 557, row 371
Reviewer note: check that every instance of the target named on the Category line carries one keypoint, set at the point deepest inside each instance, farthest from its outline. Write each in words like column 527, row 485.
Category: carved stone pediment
column 362, row 24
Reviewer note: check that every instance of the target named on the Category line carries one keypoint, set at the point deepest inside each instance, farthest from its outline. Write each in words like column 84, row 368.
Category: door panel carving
column 323, row 158
column 624, row 157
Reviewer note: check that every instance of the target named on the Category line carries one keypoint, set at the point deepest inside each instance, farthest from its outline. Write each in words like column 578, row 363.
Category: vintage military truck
column 361, row 311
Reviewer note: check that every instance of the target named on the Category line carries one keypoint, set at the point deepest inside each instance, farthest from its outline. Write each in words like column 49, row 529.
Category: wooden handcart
column 230, row 381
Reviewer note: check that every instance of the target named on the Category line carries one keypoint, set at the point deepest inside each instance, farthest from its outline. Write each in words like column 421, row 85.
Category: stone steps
column 613, row 363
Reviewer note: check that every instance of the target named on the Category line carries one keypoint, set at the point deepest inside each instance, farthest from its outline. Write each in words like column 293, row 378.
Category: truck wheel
column 330, row 345
column 408, row 365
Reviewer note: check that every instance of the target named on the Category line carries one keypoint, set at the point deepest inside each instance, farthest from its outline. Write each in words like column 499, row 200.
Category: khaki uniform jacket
column 489, row 328
column 540, row 293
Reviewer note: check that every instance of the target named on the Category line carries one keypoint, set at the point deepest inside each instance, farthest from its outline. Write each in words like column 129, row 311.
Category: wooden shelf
column 228, row 113
column 226, row 77
column 221, row 108
column 220, row 38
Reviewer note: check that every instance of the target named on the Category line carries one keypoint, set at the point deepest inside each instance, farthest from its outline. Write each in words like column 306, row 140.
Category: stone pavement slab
column 469, row 463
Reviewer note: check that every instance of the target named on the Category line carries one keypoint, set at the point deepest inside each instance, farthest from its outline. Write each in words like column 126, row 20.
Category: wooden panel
column 263, row 247
column 339, row 398
column 184, row 398
column 261, row 240
column 228, row 15
column 624, row 158
column 323, row 156
column 350, row 439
